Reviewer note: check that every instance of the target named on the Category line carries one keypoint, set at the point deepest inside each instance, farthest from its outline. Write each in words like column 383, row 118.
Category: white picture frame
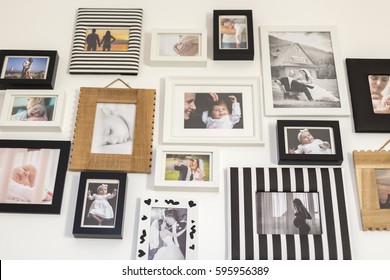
column 174, row 163
column 179, row 47
column 153, row 211
column 16, row 99
column 313, row 49
column 190, row 129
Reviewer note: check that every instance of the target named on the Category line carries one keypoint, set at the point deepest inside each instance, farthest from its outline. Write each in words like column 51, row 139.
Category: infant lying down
column 21, row 185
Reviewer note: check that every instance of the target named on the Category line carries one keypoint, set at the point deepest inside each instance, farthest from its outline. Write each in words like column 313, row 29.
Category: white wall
column 46, row 24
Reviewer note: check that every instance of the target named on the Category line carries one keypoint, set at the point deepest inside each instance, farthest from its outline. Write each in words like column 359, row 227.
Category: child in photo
column 100, row 209
column 35, row 111
column 236, row 40
column 21, row 185
column 310, row 145
column 220, row 117
column 113, row 129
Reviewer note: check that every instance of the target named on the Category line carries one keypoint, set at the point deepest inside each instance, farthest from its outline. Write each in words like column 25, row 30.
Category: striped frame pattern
column 245, row 243
column 112, row 62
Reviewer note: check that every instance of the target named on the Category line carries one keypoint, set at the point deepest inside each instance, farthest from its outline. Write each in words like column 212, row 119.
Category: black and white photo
column 113, row 131
column 168, row 234
column 288, row 213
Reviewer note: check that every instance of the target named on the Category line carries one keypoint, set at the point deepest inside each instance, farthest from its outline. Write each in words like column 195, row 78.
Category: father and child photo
column 19, row 67
column 184, row 167
column 213, row 110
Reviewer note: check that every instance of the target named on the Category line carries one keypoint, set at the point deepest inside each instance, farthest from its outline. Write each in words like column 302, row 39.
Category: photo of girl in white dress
column 100, row 203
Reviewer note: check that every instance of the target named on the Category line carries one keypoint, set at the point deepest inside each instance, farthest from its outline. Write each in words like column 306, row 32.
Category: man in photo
column 291, row 84
column 92, row 41
column 185, row 171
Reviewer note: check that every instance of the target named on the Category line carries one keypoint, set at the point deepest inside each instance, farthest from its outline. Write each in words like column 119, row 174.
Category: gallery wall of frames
column 184, row 131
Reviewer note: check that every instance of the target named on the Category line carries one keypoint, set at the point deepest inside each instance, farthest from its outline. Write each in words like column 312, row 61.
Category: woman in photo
column 170, row 249
column 317, row 93
column 198, row 170
column 301, row 215
column 380, row 97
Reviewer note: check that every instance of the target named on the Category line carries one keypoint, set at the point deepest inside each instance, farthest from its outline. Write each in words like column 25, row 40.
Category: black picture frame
column 30, row 146
column 233, row 53
column 328, row 130
column 84, row 226
column 25, row 83
column 365, row 119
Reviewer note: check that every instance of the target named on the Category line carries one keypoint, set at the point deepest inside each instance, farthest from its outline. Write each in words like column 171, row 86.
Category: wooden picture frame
column 372, row 179
column 100, row 215
column 302, row 70
column 244, row 124
column 18, row 115
column 245, row 212
column 28, row 69
column 130, row 149
column 177, row 169
column 159, row 213
column 45, row 163
column 107, row 41
column 233, row 35
column 179, row 47
column 366, row 118
column 323, row 148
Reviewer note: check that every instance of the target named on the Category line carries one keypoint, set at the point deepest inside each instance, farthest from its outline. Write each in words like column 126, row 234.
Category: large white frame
column 55, row 125
column 344, row 110
column 190, row 61
column 162, row 184
column 174, row 131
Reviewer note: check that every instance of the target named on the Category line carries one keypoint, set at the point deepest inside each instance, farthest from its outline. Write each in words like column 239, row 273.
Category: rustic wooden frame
column 373, row 217
column 139, row 160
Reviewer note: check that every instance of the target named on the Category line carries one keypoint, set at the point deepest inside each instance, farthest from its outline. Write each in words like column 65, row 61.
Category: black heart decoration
column 144, row 218
column 192, row 247
column 191, row 203
column 156, row 200
column 141, row 253
column 192, row 221
column 148, row 201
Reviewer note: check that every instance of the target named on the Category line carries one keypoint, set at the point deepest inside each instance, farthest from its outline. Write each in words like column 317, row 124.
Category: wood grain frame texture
column 140, row 160
column 373, row 217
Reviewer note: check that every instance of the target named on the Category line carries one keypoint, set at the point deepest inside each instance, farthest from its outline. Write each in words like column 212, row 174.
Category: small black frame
column 365, row 120
column 28, row 207
column 233, row 53
column 25, row 83
column 328, row 130
column 83, row 226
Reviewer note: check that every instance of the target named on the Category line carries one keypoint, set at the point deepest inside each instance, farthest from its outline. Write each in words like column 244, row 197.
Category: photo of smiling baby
column 113, row 131
column 310, row 140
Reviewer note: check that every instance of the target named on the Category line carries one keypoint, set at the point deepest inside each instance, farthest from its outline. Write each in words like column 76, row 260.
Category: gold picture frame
column 371, row 168
column 139, row 160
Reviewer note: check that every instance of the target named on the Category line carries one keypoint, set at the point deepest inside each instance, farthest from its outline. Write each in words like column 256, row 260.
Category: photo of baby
column 100, row 203
column 33, row 108
column 314, row 140
column 28, row 175
column 113, row 130
column 213, row 110
column 179, row 44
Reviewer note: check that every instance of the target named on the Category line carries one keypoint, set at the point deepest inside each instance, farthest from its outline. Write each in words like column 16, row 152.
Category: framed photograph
column 114, row 130
column 372, row 170
column 289, row 213
column 370, row 93
column 33, row 110
column 28, row 69
column 309, row 142
column 168, row 229
column 32, row 175
column 212, row 111
column 233, row 35
column 179, row 47
column 187, row 168
column 106, row 41
column 302, row 71
column 100, row 204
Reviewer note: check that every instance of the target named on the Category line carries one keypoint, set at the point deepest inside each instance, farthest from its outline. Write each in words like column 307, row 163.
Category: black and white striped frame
column 245, row 243
column 108, row 62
